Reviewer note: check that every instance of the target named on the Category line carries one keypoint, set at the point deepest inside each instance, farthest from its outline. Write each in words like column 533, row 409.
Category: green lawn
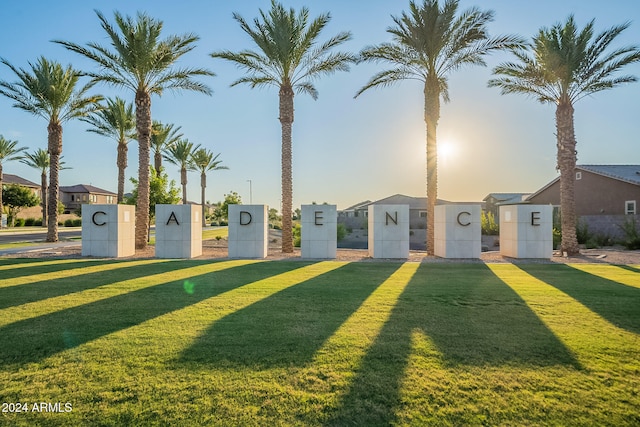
column 238, row 342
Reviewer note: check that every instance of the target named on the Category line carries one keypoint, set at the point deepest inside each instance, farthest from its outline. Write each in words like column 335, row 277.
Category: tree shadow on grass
column 33, row 339
column 39, row 268
column 630, row 268
column 471, row 317
column 288, row 327
column 37, row 291
column 616, row 302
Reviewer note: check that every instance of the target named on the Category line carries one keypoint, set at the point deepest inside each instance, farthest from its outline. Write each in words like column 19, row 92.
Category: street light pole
column 250, row 191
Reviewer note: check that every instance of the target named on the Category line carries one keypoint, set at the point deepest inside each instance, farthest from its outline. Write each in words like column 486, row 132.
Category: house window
column 630, row 207
column 578, row 175
column 423, row 214
column 72, row 198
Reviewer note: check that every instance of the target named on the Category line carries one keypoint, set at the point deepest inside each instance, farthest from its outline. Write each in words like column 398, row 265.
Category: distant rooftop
column 84, row 188
column 7, row 178
column 627, row 173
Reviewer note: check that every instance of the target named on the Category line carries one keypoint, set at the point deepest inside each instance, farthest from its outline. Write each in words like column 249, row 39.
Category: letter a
column 172, row 217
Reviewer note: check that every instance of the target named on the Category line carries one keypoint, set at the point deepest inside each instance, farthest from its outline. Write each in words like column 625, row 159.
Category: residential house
column 74, row 196
column 493, row 201
column 356, row 216
column 8, row 179
column 604, row 195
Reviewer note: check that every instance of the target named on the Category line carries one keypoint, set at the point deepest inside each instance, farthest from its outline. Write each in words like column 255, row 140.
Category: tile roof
column 7, row 178
column 626, row 173
column 83, row 188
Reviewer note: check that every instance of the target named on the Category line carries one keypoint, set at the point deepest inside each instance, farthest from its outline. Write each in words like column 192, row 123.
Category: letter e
column 318, row 218
column 535, row 219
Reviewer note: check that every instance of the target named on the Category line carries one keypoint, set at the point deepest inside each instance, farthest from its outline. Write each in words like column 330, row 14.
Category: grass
column 239, row 342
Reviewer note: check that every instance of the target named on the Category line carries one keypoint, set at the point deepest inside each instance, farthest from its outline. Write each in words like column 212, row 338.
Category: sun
column 446, row 150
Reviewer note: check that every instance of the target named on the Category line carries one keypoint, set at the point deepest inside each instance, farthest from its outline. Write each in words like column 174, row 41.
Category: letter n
column 389, row 217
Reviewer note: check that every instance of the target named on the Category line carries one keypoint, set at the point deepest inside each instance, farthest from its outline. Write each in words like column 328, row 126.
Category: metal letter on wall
column 172, row 217
column 464, row 224
column 318, row 216
column 93, row 218
column 247, row 214
column 535, row 219
column 389, row 217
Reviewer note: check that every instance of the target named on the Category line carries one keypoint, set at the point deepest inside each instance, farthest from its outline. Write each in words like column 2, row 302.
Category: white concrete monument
column 389, row 231
column 526, row 231
column 248, row 231
column 178, row 231
column 108, row 230
column 457, row 231
column 319, row 228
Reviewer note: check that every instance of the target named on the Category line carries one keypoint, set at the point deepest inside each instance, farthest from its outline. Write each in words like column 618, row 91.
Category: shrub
column 38, row 222
column 489, row 225
column 341, row 232
column 29, row 222
column 582, row 233
column 557, row 237
column 629, row 227
column 19, row 222
column 77, row 222
column 297, row 235
column 68, row 223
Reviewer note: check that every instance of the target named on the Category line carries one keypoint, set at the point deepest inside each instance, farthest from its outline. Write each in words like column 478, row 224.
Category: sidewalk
column 44, row 247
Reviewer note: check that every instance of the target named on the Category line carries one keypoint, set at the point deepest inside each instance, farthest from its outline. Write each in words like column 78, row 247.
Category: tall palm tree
column 162, row 137
column 8, row 151
column 203, row 161
column 139, row 60
column 115, row 120
column 562, row 66
column 289, row 58
column 429, row 43
column 52, row 92
column 39, row 159
column 180, row 154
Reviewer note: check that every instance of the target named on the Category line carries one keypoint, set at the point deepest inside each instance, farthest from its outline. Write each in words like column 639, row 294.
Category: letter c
column 93, row 218
column 465, row 223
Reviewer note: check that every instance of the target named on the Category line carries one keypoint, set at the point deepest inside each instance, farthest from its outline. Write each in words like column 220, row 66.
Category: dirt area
column 213, row 249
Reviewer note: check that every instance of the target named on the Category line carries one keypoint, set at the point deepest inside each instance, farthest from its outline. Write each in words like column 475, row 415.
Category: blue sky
column 345, row 150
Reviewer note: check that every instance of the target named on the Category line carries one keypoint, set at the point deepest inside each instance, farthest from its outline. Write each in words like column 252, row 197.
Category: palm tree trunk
column 203, row 186
column 143, row 127
column 55, row 149
column 122, row 165
column 431, row 117
column 566, row 141
column 43, row 191
column 183, row 181
column 286, row 121
column 157, row 161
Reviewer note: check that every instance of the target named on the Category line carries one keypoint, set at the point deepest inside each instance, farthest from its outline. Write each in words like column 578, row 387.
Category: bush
column 19, row 222
column 38, row 222
column 582, row 233
column 29, row 222
column 341, row 232
column 77, row 222
column 297, row 235
column 557, row 237
column 68, row 223
column 488, row 224
column 631, row 239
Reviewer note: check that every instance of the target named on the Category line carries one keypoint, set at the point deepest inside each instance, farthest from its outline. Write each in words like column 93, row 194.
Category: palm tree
column 562, row 66
column 429, row 43
column 180, row 154
column 8, row 151
column 203, row 161
column 116, row 121
column 162, row 137
column 289, row 58
column 53, row 93
column 39, row 159
column 138, row 60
